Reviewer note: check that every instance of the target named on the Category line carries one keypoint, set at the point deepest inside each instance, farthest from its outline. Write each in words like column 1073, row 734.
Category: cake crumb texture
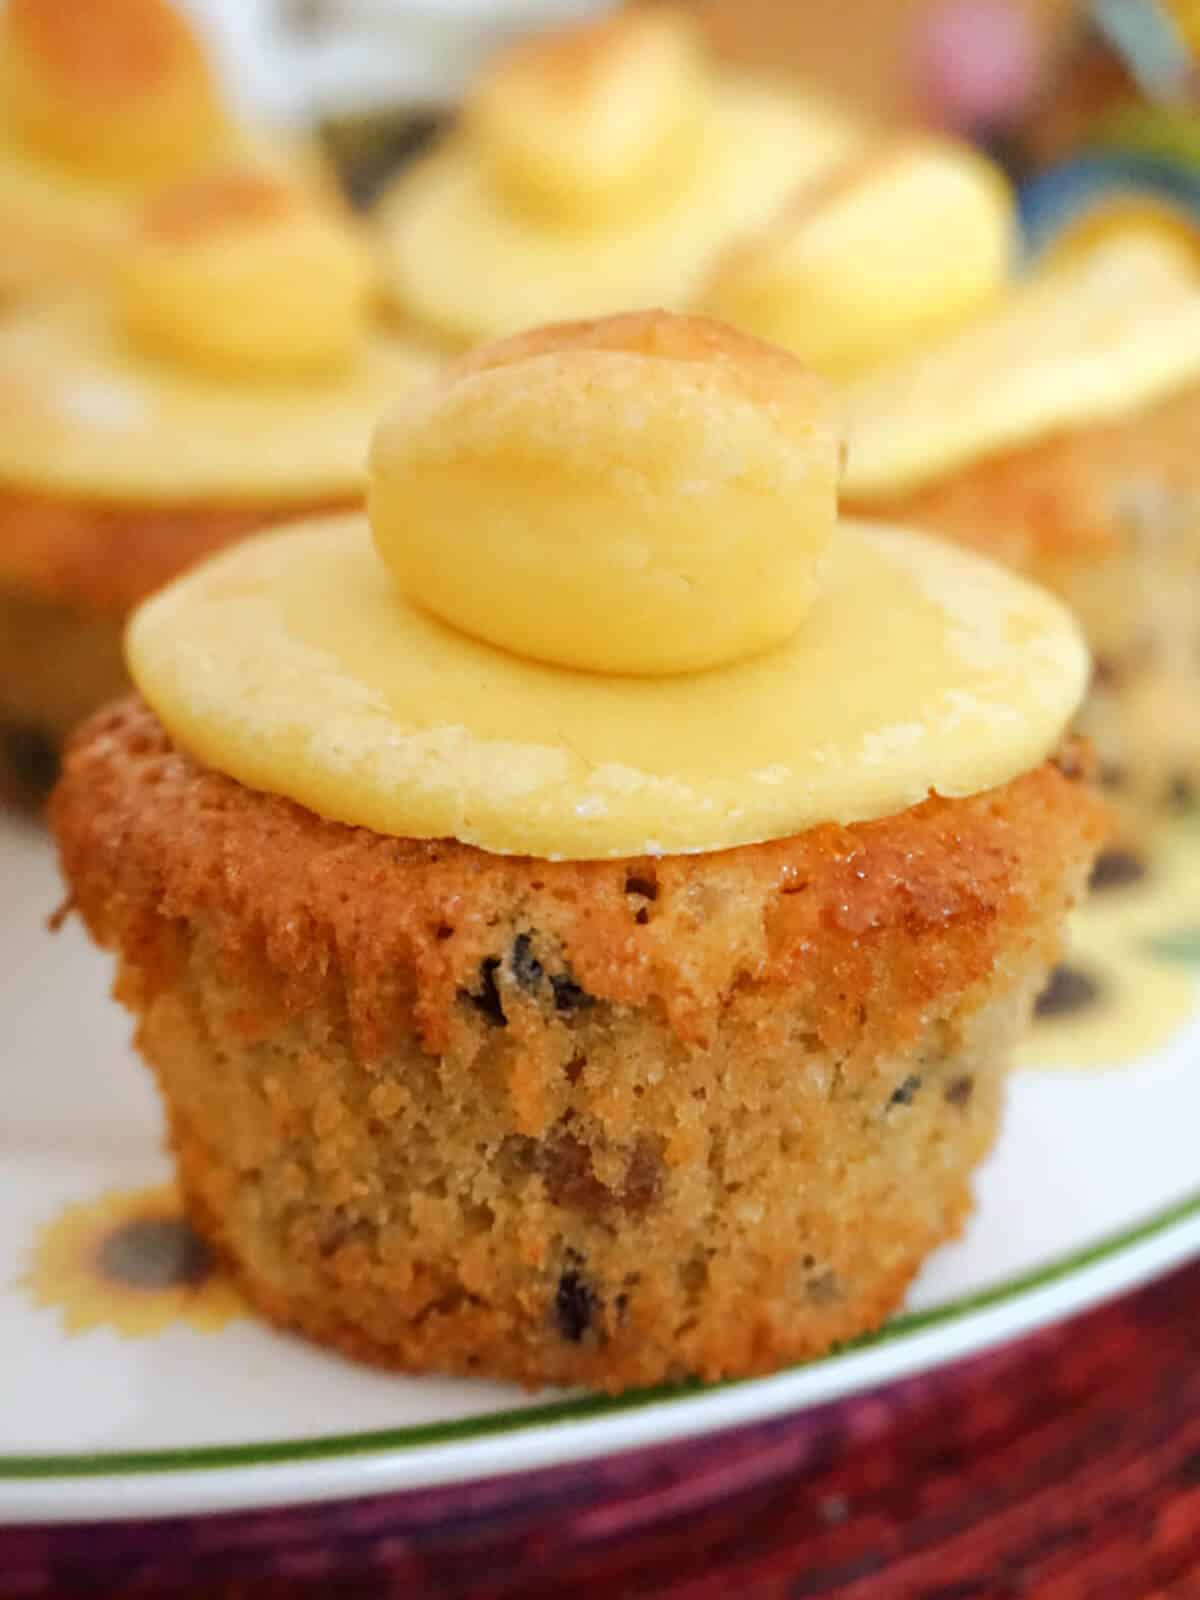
column 610, row 1122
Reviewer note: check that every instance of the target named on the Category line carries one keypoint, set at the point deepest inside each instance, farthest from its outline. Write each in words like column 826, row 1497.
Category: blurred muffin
column 596, row 169
column 1058, row 434
column 100, row 104
column 897, row 245
column 227, row 379
column 546, row 975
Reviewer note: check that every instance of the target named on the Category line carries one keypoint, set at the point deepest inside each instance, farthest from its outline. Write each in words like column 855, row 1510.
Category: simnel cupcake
column 1058, row 434
column 902, row 242
column 228, row 379
column 100, row 104
column 594, row 170
column 579, row 922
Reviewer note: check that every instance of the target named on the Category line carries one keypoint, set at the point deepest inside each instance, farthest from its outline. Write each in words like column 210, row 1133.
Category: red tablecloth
column 1065, row 1467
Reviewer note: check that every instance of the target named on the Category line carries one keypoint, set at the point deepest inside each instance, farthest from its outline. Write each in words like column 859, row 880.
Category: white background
column 362, row 52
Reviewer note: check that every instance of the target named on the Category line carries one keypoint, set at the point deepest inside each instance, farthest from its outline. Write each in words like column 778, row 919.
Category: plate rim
column 62, row 1486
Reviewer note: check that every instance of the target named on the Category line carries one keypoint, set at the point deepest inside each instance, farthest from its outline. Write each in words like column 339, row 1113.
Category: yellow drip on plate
column 1118, row 936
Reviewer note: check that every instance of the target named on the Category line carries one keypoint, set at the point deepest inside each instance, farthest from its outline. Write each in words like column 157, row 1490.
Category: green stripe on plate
column 583, row 1408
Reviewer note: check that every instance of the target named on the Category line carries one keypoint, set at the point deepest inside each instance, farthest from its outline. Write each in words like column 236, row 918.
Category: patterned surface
column 1066, row 1467
column 130, row 1261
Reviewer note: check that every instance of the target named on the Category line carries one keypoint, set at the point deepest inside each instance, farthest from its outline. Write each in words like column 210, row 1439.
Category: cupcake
column 580, row 921
column 594, row 170
column 1058, row 434
column 897, row 245
column 99, row 105
column 227, row 379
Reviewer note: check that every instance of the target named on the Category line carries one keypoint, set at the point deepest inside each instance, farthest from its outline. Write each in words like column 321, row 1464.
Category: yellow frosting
column 595, row 119
column 629, row 207
column 59, row 225
column 644, row 495
column 240, row 271
column 101, row 101
column 294, row 664
column 54, row 223
column 893, row 247
column 120, row 89
column 1095, row 337
column 539, row 662
column 88, row 413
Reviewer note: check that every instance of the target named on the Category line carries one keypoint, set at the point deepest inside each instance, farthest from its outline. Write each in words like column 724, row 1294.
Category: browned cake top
column 74, row 44
column 103, row 558
column 881, row 916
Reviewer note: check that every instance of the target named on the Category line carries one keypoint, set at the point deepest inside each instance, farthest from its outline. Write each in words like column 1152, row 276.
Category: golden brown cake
column 604, row 1019
column 595, row 169
column 99, row 105
column 225, row 381
column 1058, row 434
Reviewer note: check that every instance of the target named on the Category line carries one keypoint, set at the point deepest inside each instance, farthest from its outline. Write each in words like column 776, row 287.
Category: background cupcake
column 99, row 105
column 595, row 169
column 1058, row 434
column 225, row 378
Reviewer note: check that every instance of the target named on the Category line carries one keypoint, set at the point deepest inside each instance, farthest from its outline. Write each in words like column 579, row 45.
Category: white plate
column 1093, row 1188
